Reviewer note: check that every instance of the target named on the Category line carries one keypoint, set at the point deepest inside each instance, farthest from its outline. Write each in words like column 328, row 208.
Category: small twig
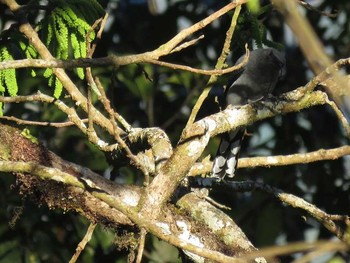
column 327, row 73
column 209, row 72
column 219, row 65
column 102, row 22
column 107, row 105
column 299, row 158
column 186, row 44
column 312, row 8
column 70, row 111
column 311, row 256
column 295, row 247
column 90, row 51
column 340, row 115
column 278, row 160
column 40, row 123
column 165, row 49
column 103, row 62
column 141, row 246
column 83, row 243
column 327, row 220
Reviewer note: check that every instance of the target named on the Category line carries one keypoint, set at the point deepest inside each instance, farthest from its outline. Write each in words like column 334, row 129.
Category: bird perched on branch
column 253, row 82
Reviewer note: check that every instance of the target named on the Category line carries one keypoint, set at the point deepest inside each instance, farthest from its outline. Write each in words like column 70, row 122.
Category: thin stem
column 219, row 65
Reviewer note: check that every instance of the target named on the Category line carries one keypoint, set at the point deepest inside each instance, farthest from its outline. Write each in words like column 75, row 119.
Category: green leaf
column 58, row 88
column 8, row 76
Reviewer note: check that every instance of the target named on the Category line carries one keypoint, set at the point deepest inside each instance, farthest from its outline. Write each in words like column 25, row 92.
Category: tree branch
column 205, row 166
column 327, row 220
column 196, row 136
column 62, row 184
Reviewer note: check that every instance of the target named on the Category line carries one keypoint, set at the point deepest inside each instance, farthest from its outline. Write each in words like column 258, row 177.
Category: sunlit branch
column 337, row 224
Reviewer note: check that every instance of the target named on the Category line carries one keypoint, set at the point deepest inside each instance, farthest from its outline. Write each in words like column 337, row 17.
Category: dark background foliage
column 148, row 95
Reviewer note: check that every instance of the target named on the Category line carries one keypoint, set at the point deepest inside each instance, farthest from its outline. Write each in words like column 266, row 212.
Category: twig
column 312, row 8
column 40, row 123
column 341, row 116
column 141, row 246
column 312, row 255
column 70, row 111
column 194, row 70
column 90, row 51
column 219, row 65
column 107, row 105
column 294, row 248
column 313, row 49
column 327, row 73
column 279, row 160
column 103, row 62
column 83, row 243
column 327, row 220
column 165, row 49
column 187, row 44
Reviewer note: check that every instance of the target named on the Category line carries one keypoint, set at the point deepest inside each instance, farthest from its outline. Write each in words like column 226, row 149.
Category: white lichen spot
column 165, row 228
column 234, row 115
column 188, row 237
column 193, row 148
column 220, row 224
column 57, row 178
column 101, row 143
column 90, row 183
column 272, row 160
column 260, row 260
column 211, row 124
column 130, row 199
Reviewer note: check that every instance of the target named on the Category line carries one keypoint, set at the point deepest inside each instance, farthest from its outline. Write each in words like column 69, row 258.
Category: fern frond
column 48, row 73
column 11, row 82
column 77, row 47
column 1, row 107
column 50, row 30
column 2, row 85
column 61, row 33
column 58, row 88
column 66, row 28
column 8, row 76
column 51, row 81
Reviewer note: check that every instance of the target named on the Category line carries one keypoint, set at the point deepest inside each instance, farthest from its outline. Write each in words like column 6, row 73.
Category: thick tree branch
column 62, row 184
column 197, row 135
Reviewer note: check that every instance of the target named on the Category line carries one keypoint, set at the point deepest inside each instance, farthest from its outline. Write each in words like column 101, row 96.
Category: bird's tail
column 225, row 162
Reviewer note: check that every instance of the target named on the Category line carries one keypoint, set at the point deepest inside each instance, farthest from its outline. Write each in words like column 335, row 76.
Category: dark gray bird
column 256, row 80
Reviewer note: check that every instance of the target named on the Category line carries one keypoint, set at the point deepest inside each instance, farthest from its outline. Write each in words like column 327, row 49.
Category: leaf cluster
column 66, row 31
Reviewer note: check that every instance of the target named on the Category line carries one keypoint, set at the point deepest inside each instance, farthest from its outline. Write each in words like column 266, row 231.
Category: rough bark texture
column 182, row 223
